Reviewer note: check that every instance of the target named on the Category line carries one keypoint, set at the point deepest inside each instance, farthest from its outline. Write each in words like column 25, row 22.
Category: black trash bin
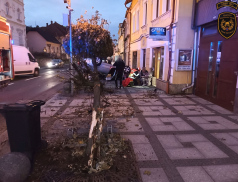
column 23, row 126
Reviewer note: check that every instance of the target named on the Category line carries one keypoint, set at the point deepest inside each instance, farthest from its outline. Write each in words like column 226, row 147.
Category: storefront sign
column 184, row 62
column 158, row 33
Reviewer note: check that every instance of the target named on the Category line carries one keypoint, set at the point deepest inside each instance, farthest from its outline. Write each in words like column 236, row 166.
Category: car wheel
column 36, row 72
column 127, row 69
column 98, row 61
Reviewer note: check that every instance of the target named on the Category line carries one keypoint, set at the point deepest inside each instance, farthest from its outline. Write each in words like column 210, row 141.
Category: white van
column 24, row 62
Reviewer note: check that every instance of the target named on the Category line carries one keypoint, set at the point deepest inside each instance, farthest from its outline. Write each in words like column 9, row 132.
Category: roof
column 45, row 34
column 56, row 29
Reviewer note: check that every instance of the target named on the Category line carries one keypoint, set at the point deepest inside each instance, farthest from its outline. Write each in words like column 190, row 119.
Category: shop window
column 134, row 61
column 209, row 76
column 161, row 70
column 144, row 57
column 217, row 68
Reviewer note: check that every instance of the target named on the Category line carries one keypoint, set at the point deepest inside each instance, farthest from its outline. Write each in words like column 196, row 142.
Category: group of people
column 137, row 76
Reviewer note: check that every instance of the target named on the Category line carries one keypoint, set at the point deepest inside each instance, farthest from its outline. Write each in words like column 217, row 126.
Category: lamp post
column 70, row 45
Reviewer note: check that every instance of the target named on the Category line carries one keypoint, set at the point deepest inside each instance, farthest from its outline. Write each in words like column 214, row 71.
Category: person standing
column 120, row 65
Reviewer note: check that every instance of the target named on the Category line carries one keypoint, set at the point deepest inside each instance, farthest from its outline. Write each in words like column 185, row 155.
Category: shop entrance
column 158, row 56
column 134, row 62
column 217, row 64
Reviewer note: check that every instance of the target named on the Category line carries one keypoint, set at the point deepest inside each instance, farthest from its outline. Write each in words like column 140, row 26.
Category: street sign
column 158, row 34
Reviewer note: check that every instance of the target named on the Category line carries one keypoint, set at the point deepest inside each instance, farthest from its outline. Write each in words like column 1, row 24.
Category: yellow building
column 171, row 67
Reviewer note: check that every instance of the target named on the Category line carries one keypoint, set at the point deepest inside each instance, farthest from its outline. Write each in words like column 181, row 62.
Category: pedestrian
column 120, row 65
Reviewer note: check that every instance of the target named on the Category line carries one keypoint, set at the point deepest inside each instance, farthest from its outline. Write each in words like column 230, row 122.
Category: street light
column 70, row 45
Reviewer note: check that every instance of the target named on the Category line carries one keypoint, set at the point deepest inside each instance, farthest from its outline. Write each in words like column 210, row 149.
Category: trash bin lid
column 23, row 107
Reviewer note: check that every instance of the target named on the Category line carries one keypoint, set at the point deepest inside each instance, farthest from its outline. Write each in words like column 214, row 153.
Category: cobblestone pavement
column 180, row 138
column 175, row 138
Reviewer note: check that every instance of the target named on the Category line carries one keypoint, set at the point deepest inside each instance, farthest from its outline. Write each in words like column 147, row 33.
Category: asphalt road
column 32, row 88
column 28, row 87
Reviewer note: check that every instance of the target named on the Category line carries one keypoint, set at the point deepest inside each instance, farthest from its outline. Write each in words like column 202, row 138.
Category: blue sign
column 157, row 31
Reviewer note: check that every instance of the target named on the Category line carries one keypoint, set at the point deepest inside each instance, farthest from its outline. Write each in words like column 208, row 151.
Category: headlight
column 49, row 64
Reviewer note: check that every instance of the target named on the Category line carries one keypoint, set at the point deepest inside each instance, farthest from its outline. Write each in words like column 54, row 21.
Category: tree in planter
column 91, row 40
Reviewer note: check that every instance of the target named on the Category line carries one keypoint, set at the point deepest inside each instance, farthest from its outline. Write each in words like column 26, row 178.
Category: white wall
column 35, row 42
column 17, row 23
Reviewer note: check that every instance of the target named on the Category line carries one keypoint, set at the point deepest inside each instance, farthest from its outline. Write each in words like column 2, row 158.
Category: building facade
column 121, row 40
column 127, row 36
column 160, row 56
column 13, row 11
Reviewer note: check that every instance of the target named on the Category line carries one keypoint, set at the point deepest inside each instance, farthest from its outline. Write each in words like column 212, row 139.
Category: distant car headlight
column 49, row 64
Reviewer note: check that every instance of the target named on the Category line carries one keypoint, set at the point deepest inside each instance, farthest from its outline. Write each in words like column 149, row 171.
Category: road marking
column 32, row 78
column 10, row 84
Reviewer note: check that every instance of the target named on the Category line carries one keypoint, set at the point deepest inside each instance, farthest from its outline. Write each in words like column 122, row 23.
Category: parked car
column 24, row 62
column 55, row 63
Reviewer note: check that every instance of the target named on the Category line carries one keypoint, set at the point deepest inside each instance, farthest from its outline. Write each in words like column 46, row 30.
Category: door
column 144, row 57
column 134, row 62
column 216, row 81
column 159, row 62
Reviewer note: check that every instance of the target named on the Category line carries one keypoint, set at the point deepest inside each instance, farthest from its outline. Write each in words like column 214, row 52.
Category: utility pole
column 70, row 46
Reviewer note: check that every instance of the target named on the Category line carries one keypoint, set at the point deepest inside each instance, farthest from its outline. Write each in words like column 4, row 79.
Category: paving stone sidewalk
column 175, row 138
column 179, row 138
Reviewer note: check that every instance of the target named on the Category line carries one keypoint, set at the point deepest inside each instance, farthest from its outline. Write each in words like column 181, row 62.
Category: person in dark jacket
column 120, row 65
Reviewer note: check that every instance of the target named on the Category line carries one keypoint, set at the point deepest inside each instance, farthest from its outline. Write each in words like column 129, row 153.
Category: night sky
column 45, row 11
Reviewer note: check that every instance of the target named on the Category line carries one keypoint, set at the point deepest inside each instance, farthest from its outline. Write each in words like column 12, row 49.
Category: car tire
column 127, row 69
column 36, row 73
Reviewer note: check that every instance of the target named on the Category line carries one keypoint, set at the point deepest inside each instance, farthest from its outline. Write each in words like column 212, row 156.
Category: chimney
column 47, row 24
column 51, row 22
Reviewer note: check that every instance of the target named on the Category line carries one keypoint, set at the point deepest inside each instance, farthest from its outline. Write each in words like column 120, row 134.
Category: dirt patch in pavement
column 66, row 160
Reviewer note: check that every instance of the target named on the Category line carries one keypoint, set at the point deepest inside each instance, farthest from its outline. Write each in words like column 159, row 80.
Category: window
column 211, row 55
column 167, row 5
column 7, row 8
column 145, row 13
column 31, row 58
column 18, row 14
column 134, row 22
column 20, row 36
column 217, row 68
column 138, row 20
column 157, row 9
